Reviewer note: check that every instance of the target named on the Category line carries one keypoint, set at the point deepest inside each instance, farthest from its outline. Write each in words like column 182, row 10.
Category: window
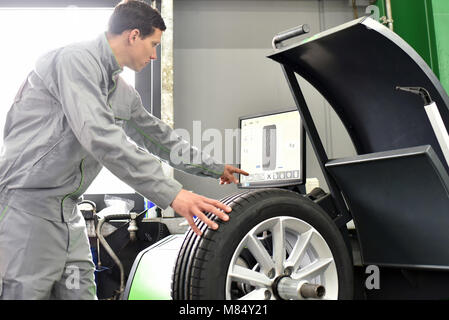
column 26, row 34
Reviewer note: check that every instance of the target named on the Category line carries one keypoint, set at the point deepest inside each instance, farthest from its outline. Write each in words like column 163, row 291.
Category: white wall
column 27, row 34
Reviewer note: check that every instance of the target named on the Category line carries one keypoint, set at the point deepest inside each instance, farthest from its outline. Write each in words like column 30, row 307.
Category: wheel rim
column 276, row 247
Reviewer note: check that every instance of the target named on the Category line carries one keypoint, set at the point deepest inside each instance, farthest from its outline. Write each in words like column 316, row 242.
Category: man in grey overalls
column 72, row 116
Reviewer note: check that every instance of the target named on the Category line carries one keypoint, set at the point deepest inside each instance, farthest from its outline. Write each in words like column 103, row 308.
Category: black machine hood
column 356, row 67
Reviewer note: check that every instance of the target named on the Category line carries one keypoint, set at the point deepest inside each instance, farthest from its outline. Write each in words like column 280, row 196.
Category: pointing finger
column 241, row 172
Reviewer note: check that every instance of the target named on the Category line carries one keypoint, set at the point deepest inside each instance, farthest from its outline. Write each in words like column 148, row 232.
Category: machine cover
column 356, row 67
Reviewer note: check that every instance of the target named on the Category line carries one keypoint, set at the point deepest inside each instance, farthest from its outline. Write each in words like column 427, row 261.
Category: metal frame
column 423, row 77
column 343, row 216
column 290, row 72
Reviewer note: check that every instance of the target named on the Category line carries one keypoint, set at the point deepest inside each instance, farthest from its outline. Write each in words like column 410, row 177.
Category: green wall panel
column 424, row 24
column 413, row 22
column 441, row 22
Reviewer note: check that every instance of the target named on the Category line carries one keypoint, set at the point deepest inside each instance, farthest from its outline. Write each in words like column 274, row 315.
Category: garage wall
column 221, row 71
column 440, row 10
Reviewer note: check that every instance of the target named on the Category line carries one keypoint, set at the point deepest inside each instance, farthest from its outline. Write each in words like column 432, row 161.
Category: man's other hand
column 189, row 204
column 228, row 174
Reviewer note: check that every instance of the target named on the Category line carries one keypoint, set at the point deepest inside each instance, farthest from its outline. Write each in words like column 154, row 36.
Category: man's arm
column 74, row 83
column 160, row 139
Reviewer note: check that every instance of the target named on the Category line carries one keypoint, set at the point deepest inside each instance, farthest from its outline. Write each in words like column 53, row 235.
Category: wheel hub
column 286, row 288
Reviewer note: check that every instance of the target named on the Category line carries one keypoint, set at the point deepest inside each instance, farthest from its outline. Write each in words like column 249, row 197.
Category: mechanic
column 73, row 115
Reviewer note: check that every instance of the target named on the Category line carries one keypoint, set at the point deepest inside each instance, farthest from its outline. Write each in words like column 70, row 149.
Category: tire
column 209, row 267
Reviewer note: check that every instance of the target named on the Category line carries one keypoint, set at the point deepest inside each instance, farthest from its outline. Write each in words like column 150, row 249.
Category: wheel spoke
column 259, row 252
column 312, row 270
column 278, row 236
column 257, row 294
column 298, row 250
column 248, row 276
column 275, row 244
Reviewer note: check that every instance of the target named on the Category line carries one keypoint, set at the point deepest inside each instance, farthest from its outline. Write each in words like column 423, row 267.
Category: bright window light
column 26, row 34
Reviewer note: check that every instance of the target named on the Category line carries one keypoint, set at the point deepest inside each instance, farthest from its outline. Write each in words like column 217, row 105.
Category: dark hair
column 133, row 14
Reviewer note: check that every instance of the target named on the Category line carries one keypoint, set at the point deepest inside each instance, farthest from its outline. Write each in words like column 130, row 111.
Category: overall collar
column 107, row 57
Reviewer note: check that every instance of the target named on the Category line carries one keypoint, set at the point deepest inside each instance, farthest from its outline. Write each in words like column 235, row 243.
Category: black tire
column 202, row 264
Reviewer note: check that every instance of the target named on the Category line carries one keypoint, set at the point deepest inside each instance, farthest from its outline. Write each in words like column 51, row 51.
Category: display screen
column 271, row 149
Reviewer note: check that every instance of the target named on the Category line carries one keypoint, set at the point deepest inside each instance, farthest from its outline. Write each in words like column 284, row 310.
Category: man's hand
column 228, row 174
column 189, row 204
